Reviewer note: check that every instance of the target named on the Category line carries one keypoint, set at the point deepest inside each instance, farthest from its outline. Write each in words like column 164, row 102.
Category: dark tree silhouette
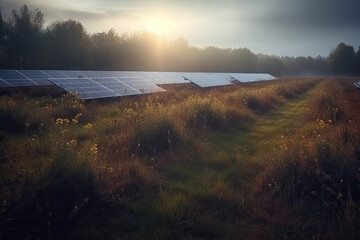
column 24, row 35
column 271, row 64
column 342, row 59
column 106, row 50
column 68, row 45
column 2, row 26
column 305, row 66
column 3, row 56
column 357, row 62
column 245, row 60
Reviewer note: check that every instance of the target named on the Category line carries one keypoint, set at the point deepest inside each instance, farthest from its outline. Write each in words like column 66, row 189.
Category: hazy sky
column 280, row 27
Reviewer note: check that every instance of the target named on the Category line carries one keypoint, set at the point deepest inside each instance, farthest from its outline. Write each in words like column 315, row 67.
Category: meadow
column 266, row 160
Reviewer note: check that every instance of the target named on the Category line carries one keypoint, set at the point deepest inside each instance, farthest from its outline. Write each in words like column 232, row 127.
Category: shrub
column 329, row 109
column 172, row 216
column 203, row 114
column 285, row 92
column 51, row 206
column 68, row 106
column 253, row 103
column 128, row 181
column 328, row 104
column 157, row 136
column 12, row 121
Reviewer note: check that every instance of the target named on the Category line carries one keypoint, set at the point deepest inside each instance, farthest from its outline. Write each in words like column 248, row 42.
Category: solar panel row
column 39, row 77
column 98, row 84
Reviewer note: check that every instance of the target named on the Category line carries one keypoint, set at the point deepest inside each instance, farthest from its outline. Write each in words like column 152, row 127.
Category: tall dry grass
column 314, row 175
column 62, row 159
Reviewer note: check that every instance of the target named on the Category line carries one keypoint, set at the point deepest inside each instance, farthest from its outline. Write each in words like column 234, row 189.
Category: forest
column 26, row 42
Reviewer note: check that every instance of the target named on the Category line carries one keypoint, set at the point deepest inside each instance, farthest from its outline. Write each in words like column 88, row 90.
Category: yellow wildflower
column 321, row 123
column 61, row 121
column 71, row 143
column 76, row 118
column 94, row 149
column 89, row 125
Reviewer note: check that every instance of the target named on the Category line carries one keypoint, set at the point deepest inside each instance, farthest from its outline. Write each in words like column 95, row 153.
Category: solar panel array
column 101, row 84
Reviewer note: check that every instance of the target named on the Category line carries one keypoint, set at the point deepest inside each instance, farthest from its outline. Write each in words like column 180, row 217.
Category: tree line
column 25, row 43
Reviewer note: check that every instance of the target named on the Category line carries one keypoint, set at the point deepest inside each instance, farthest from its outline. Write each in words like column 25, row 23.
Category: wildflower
column 27, row 125
column 94, row 149
column 330, row 121
column 71, row 143
column 61, row 121
column 65, row 131
column 76, row 118
column 89, row 125
column 321, row 123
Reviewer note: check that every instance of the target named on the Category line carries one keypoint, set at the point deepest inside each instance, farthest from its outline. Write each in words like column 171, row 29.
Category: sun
column 159, row 26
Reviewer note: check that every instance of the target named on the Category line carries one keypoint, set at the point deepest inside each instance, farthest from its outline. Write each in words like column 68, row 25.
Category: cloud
column 313, row 15
column 276, row 26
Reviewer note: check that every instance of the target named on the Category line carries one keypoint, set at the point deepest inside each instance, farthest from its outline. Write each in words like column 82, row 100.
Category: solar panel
column 91, row 74
column 166, row 77
column 11, row 74
column 21, row 78
column 98, row 94
column 140, row 84
column 117, row 86
column 73, row 74
column 157, row 78
column 20, row 82
column 34, row 74
column 42, row 82
column 84, row 88
column 39, row 77
column 127, row 74
column 4, row 84
column 208, row 79
column 252, row 77
column 54, row 74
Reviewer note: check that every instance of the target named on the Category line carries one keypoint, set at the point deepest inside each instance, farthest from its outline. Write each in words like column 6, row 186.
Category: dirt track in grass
column 256, row 139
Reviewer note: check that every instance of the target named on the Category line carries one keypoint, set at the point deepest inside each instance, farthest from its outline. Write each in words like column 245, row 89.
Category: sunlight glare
column 160, row 26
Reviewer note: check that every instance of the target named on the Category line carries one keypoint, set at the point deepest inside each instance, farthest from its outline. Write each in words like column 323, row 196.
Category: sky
column 275, row 27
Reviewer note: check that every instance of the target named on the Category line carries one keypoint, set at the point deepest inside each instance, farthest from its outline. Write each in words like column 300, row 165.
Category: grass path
column 216, row 180
column 247, row 143
column 266, row 131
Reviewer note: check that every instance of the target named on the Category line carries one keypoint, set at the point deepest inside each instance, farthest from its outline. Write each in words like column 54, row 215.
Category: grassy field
column 267, row 160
